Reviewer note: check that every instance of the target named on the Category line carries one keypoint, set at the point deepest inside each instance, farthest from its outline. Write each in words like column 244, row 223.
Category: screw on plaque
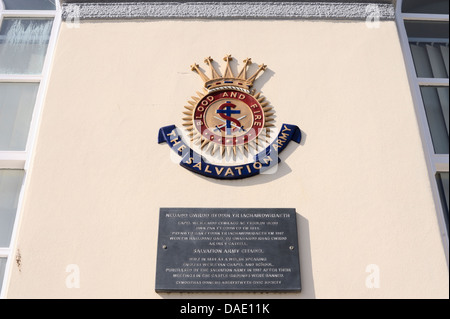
column 164, row 247
column 291, row 247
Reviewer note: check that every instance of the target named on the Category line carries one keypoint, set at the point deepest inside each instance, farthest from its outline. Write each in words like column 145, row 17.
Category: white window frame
column 436, row 163
column 22, row 159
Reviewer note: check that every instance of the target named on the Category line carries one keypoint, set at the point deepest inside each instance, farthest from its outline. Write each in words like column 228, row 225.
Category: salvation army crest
column 228, row 122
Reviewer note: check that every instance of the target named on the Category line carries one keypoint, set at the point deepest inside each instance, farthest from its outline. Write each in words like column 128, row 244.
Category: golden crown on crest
column 240, row 82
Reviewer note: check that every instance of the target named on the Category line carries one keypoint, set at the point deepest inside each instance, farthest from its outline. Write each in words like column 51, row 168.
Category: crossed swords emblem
column 225, row 111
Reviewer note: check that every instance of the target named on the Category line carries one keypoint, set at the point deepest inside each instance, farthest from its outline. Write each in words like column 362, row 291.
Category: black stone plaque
column 227, row 250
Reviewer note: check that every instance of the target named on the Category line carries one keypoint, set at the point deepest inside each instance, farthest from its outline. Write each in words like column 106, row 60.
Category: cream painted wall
column 358, row 181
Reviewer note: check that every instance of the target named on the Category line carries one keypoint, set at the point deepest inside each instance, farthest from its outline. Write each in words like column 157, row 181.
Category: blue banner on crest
column 264, row 160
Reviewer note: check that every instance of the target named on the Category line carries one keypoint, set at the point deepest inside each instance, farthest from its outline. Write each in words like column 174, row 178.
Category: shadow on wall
column 306, row 273
column 280, row 170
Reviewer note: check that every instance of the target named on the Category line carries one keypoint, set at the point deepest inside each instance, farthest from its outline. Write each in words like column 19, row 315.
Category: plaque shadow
column 306, row 276
column 306, row 273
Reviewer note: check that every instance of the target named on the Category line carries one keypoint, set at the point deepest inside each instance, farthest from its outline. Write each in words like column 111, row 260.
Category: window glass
column 428, row 37
column 29, row 4
column 428, row 42
column 16, row 109
column 425, row 6
column 427, row 29
column 436, row 103
column 24, row 39
column 2, row 269
column 443, row 183
column 23, row 44
column 430, row 59
column 10, row 185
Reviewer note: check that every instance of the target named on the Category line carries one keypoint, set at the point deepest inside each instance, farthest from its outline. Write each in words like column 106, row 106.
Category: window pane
column 435, row 100
column 443, row 184
column 2, row 270
column 29, row 4
column 428, row 41
column 430, row 59
column 16, row 109
column 10, row 184
column 23, row 44
column 427, row 29
column 425, row 6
